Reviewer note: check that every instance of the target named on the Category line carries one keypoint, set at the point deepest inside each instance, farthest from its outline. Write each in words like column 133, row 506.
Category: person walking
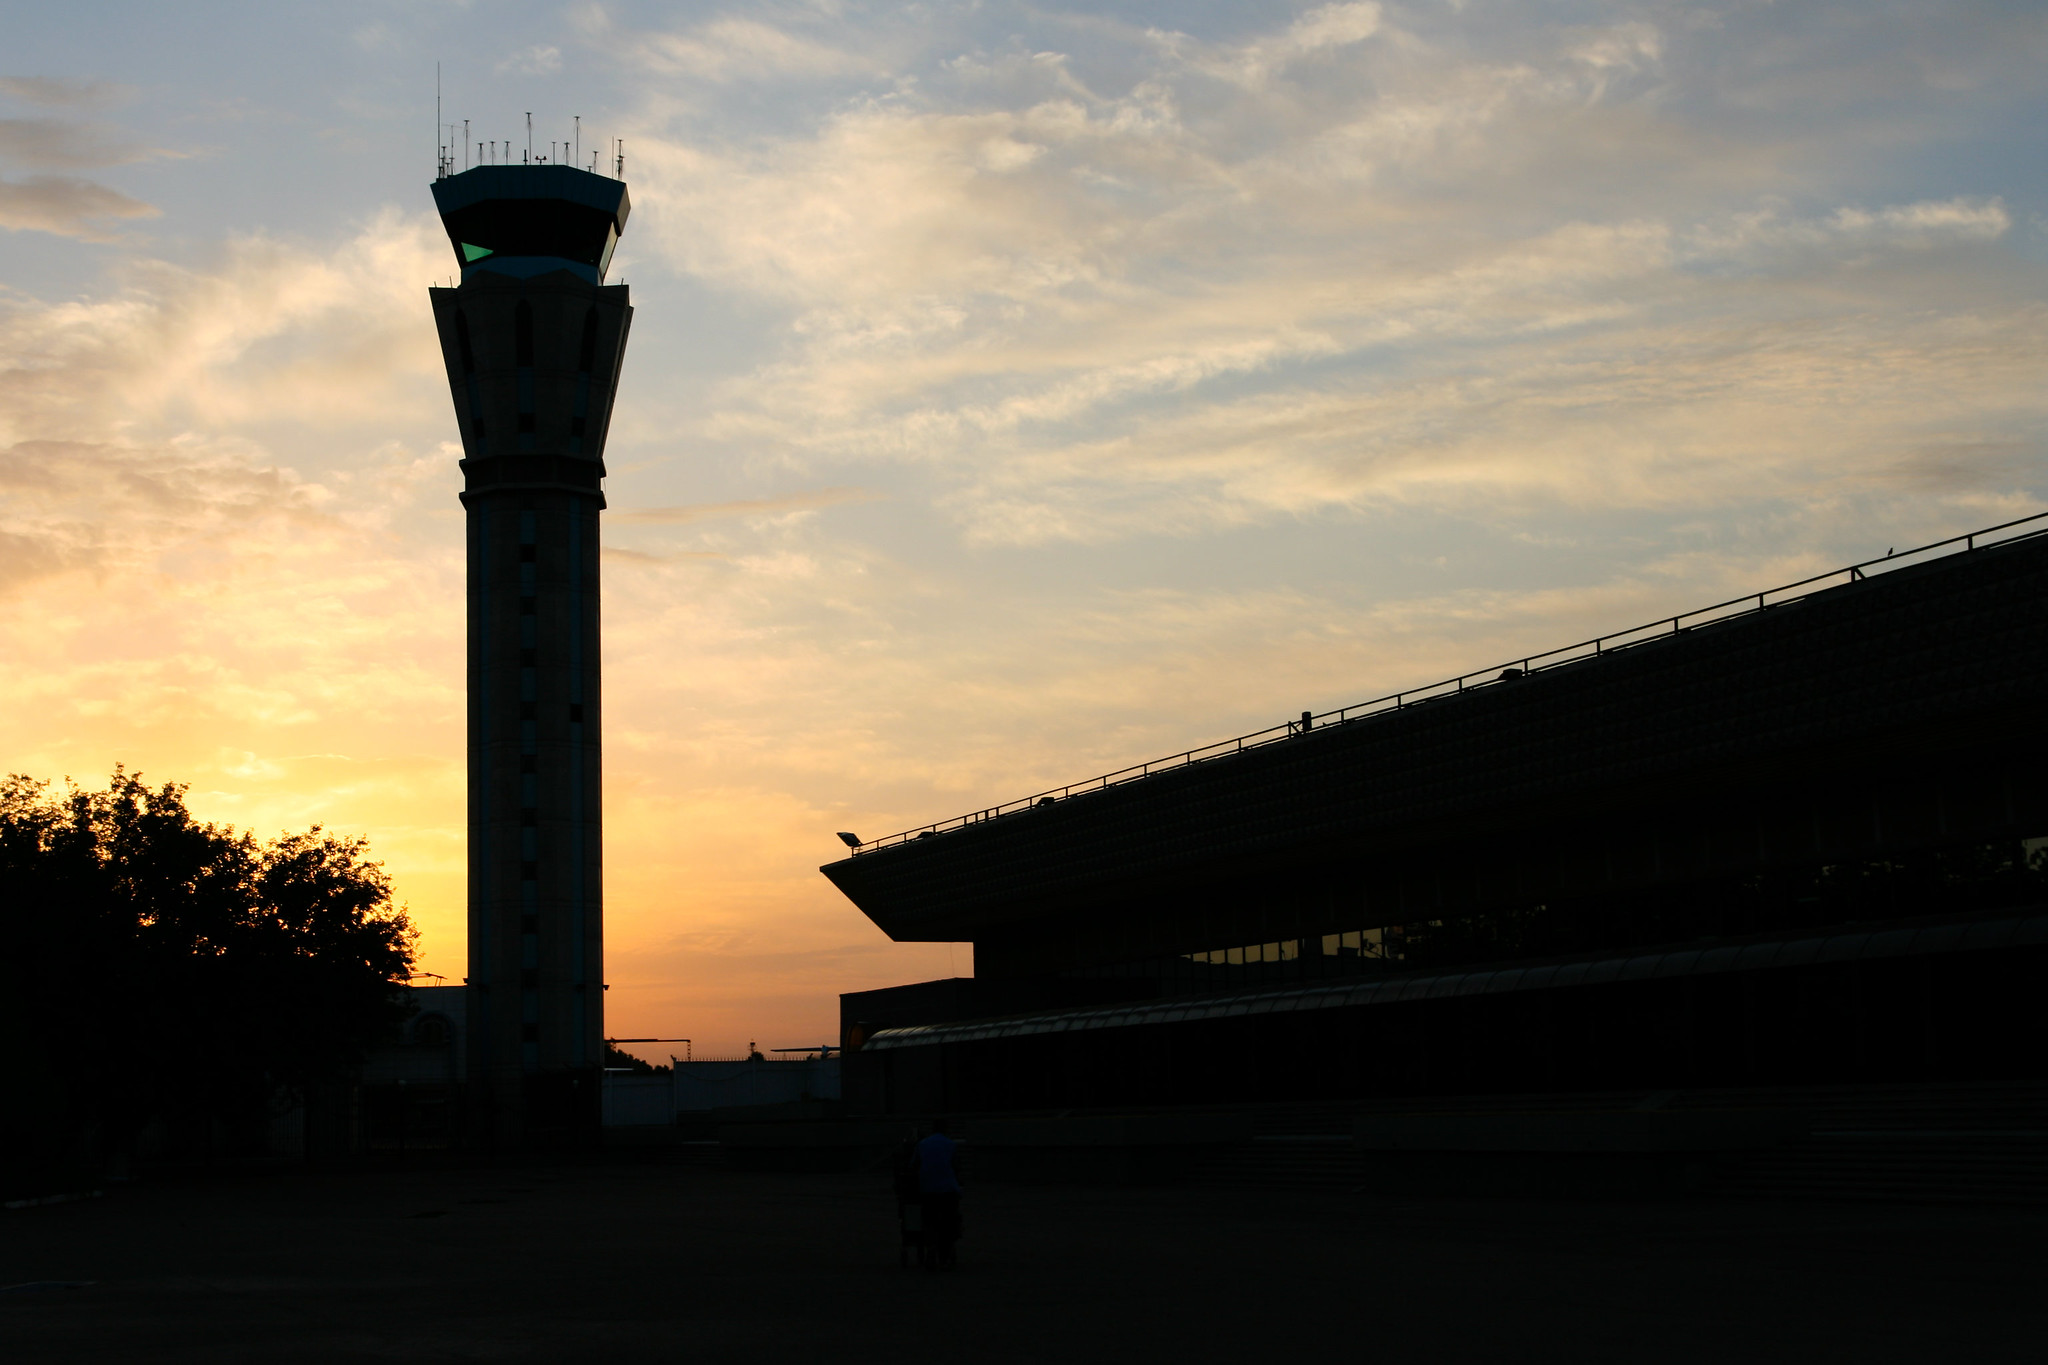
column 909, row 1201
column 938, row 1187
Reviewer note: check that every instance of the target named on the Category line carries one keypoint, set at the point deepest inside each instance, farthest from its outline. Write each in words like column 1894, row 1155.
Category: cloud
column 644, row 557
column 58, row 93
column 104, row 508
column 539, row 60
column 1769, row 233
column 1385, row 266
column 1728, row 412
column 751, row 507
column 276, row 331
column 66, row 206
column 728, row 50
column 45, row 143
column 1927, row 222
column 1253, row 64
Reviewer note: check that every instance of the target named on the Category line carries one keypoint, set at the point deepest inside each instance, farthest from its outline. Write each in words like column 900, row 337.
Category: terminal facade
column 1795, row 842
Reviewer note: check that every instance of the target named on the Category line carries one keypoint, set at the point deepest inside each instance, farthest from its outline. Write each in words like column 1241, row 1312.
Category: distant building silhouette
column 408, row 1093
column 533, row 340
column 1789, row 840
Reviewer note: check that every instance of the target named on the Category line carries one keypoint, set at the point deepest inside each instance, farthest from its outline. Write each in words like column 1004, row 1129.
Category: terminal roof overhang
column 1854, row 670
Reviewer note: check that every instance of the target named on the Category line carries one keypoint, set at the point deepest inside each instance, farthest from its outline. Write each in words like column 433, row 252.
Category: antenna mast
column 529, row 137
column 579, row 141
column 440, row 152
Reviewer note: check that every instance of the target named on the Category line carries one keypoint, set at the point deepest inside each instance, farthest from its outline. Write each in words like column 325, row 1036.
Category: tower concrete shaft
column 533, row 339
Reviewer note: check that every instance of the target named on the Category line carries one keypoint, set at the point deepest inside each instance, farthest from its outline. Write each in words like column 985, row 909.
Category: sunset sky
column 1014, row 393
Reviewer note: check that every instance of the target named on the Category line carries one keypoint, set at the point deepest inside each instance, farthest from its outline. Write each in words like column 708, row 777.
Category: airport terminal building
column 1790, row 840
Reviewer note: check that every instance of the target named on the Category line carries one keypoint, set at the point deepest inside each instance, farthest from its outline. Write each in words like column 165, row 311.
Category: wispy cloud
column 750, row 507
column 1388, row 268
column 1252, row 64
column 279, row 331
column 67, row 206
column 46, row 143
column 58, row 93
column 542, row 59
column 730, row 49
column 643, row 557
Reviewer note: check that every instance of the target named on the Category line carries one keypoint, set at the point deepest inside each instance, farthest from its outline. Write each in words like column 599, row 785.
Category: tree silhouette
column 161, row 967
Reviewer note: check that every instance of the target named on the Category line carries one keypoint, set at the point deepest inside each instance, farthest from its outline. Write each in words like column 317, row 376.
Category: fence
column 698, row 1087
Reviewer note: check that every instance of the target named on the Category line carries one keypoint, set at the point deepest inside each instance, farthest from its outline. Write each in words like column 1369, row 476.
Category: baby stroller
column 909, row 1205
column 940, row 1219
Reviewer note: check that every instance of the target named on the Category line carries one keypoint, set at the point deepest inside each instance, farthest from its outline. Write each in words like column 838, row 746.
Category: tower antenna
column 440, row 155
column 529, row 135
column 465, row 144
column 579, row 140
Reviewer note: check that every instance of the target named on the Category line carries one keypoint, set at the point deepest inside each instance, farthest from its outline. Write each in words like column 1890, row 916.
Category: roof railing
column 1734, row 608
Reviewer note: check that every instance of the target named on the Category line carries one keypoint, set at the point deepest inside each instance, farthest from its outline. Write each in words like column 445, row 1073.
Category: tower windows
column 522, row 345
column 586, row 360
column 467, row 354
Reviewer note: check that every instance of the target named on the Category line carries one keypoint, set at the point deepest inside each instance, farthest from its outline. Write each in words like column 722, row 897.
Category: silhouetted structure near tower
column 533, row 339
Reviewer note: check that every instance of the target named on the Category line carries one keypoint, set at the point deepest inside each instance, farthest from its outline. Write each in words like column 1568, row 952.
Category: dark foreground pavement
column 624, row 1263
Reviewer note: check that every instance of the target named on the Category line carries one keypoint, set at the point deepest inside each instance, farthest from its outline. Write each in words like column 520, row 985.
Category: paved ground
column 622, row 1263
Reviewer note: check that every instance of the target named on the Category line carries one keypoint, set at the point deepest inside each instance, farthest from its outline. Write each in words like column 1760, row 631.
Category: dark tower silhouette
column 533, row 339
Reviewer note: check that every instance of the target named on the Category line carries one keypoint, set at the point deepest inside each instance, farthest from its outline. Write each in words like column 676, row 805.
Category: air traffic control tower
column 533, row 339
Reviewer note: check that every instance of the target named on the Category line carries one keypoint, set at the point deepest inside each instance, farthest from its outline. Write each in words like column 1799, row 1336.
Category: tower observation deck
column 533, row 338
